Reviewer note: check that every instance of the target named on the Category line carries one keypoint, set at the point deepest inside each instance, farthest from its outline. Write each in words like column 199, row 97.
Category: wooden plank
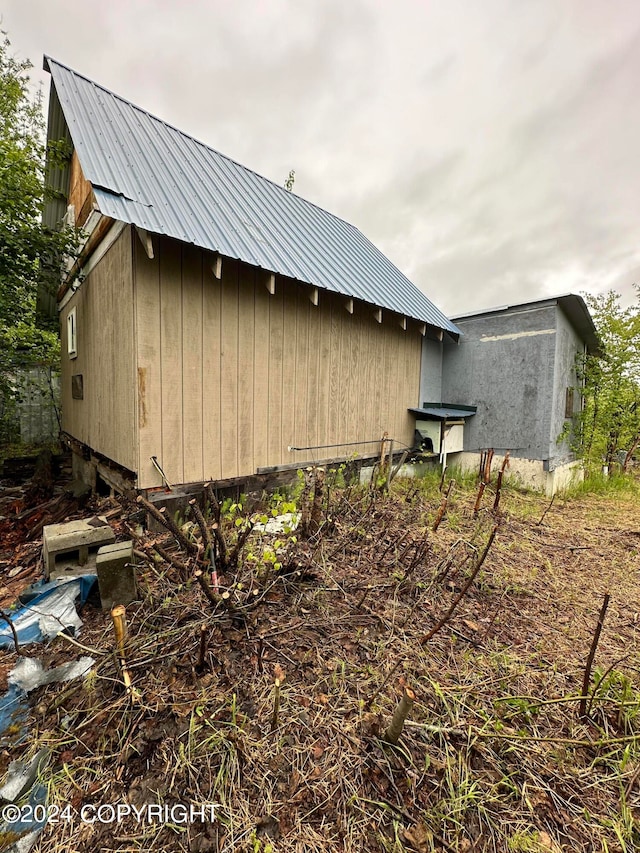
column 211, row 371
column 192, row 331
column 391, row 396
column 369, row 383
column 412, row 387
column 119, row 409
column 335, row 342
column 171, row 359
column 354, row 376
column 348, row 325
column 149, row 379
column 289, row 371
column 301, row 306
column 246, row 350
column 391, row 390
column 315, row 375
column 323, row 379
column 276, row 361
column 261, row 371
column 381, row 379
column 229, row 370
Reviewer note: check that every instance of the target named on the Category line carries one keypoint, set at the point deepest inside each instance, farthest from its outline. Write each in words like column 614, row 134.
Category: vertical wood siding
column 105, row 419
column 231, row 376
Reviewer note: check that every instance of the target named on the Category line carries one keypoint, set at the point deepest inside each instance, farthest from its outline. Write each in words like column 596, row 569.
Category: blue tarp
column 45, row 609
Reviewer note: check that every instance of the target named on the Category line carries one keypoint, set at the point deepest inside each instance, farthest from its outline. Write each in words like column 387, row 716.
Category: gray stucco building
column 517, row 365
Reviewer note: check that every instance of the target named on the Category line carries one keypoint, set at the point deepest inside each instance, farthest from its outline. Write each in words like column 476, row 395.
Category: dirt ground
column 277, row 711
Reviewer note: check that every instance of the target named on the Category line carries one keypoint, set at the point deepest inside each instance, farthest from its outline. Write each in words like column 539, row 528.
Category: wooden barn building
column 215, row 320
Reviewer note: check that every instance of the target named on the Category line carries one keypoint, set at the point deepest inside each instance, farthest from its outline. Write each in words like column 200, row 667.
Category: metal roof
column 573, row 306
column 444, row 413
column 145, row 172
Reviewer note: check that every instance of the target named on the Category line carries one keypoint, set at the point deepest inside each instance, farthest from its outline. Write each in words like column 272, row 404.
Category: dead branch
column 487, row 466
column 437, row 627
column 202, row 649
column 276, row 704
column 163, row 518
column 398, row 465
column 476, row 507
column 424, row 639
column 119, row 618
column 243, row 535
column 213, row 502
column 443, row 506
column 315, row 520
column 403, row 709
column 12, row 628
column 305, row 501
column 553, row 497
column 389, row 464
column 204, row 530
column 222, row 545
column 149, row 546
column 203, row 582
column 505, row 464
column 582, row 709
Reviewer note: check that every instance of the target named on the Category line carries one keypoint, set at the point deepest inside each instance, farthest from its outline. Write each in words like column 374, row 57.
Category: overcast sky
column 490, row 148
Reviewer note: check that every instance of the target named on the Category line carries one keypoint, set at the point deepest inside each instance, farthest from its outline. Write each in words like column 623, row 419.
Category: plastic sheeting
column 49, row 609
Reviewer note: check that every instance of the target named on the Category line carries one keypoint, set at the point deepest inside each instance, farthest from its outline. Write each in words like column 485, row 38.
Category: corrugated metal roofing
column 152, row 175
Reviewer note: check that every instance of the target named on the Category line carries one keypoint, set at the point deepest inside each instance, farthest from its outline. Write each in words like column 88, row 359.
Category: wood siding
column 105, row 419
column 80, row 191
column 229, row 376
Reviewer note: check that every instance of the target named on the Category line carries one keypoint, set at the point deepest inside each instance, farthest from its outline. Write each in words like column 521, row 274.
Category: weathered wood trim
column 146, row 240
column 98, row 233
column 117, row 476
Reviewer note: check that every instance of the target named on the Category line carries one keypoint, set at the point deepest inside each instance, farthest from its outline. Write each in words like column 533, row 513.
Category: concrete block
column 71, row 548
column 116, row 574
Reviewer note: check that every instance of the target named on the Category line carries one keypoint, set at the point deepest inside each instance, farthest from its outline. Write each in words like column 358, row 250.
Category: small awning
column 444, row 413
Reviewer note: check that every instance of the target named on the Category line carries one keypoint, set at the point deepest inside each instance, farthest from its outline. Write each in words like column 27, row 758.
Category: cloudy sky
column 491, row 148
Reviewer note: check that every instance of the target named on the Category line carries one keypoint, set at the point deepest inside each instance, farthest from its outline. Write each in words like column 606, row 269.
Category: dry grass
column 494, row 756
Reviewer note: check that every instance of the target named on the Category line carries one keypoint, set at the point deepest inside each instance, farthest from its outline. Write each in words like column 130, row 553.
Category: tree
column 611, row 413
column 31, row 255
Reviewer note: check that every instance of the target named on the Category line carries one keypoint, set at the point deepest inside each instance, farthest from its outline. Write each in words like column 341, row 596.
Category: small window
column 72, row 334
column 568, row 405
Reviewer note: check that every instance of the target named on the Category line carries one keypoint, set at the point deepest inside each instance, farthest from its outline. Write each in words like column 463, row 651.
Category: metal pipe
column 341, row 444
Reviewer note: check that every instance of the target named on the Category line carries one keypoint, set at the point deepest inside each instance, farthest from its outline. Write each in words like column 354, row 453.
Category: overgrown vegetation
column 31, row 254
column 283, row 720
column 610, row 421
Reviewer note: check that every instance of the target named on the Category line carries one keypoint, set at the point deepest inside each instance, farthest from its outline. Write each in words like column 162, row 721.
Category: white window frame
column 72, row 334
